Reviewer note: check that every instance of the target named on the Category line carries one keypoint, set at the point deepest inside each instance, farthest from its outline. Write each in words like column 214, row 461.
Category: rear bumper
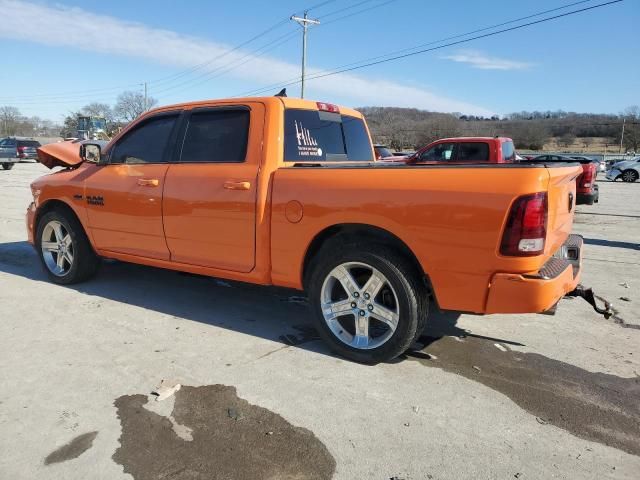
column 539, row 291
column 588, row 198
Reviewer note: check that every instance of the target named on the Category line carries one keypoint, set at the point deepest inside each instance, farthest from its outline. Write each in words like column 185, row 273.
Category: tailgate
column 562, row 201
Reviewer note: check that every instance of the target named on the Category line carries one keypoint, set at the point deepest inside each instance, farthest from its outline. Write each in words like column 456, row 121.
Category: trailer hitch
column 588, row 295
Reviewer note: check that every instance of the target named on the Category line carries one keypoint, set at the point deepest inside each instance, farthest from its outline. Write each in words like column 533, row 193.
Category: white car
column 627, row 170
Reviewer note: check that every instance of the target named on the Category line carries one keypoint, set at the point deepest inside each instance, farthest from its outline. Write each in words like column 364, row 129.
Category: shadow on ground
column 612, row 243
column 276, row 314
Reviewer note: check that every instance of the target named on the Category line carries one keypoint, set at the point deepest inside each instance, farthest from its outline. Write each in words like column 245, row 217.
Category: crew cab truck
column 466, row 150
column 284, row 191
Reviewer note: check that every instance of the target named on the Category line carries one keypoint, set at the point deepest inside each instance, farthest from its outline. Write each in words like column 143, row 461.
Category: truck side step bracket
column 588, row 295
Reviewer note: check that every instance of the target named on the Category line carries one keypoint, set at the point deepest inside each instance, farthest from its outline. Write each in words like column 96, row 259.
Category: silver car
column 627, row 170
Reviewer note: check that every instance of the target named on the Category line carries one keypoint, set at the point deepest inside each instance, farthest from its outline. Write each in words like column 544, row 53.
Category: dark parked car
column 15, row 149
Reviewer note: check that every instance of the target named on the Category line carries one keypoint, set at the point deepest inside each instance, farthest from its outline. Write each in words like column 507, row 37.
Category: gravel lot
column 521, row 396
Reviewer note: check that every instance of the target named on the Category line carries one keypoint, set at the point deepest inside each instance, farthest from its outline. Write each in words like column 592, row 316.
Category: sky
column 59, row 56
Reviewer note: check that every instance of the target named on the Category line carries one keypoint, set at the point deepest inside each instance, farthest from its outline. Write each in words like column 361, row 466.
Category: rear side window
column 147, row 143
column 508, row 152
column 311, row 135
column 473, row 152
column 216, row 136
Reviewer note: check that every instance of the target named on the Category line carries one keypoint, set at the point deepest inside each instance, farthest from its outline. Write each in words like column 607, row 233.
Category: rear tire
column 64, row 249
column 629, row 176
column 7, row 166
column 376, row 319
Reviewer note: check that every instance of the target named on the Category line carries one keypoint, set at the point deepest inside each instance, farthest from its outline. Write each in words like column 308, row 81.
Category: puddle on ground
column 73, row 449
column 595, row 406
column 230, row 438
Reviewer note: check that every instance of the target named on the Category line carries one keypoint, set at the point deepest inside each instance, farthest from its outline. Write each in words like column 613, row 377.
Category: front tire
column 64, row 249
column 7, row 166
column 629, row 176
column 368, row 301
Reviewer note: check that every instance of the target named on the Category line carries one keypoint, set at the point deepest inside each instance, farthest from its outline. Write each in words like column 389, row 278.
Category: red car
column 462, row 150
column 587, row 192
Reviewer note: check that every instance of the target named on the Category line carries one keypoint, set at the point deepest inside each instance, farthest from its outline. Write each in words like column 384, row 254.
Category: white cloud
column 485, row 62
column 76, row 28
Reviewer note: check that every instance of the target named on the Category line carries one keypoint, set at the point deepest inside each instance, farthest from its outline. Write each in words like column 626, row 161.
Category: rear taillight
column 588, row 175
column 327, row 107
column 526, row 229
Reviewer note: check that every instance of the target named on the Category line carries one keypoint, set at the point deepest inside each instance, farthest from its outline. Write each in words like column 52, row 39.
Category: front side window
column 443, row 152
column 473, row 152
column 311, row 135
column 146, row 143
column 8, row 142
column 216, row 136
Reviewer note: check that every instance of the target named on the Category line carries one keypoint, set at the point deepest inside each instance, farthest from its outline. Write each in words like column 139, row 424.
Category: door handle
column 233, row 185
column 148, row 182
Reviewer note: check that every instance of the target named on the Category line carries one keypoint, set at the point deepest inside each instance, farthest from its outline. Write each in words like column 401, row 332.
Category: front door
column 124, row 197
column 209, row 204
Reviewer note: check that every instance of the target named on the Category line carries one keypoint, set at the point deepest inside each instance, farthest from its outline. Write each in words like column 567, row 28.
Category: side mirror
column 90, row 152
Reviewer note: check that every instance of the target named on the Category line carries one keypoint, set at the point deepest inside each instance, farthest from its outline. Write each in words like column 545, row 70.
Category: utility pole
column 145, row 97
column 622, row 136
column 304, row 23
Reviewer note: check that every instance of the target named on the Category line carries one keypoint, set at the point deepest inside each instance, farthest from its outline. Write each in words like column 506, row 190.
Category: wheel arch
column 60, row 205
column 356, row 233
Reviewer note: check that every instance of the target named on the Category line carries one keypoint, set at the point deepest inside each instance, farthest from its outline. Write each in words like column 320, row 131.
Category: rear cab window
column 508, row 152
column 28, row 143
column 318, row 136
column 473, row 152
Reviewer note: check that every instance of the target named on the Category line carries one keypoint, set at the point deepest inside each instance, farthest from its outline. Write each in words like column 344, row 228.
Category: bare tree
column 131, row 105
column 566, row 140
column 10, row 118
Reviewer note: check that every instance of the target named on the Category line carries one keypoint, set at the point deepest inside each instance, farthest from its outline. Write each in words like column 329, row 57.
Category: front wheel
column 64, row 248
column 629, row 176
column 7, row 166
column 368, row 302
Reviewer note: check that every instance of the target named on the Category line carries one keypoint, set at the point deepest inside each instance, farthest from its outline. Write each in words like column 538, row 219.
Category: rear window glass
column 473, row 152
column 508, row 152
column 216, row 136
column 311, row 136
column 28, row 143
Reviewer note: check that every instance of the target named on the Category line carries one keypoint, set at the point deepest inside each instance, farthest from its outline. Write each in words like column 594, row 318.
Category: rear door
column 209, row 204
column 124, row 197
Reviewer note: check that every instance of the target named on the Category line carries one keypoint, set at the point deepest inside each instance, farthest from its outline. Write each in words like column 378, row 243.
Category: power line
column 477, row 37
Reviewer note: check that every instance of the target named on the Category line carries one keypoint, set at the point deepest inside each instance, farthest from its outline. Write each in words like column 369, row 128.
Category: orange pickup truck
column 283, row 191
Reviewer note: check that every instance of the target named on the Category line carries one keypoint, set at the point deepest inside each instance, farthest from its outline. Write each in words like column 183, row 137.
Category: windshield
column 311, row 135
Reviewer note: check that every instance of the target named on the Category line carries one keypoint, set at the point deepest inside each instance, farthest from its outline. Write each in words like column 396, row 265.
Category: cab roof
column 287, row 102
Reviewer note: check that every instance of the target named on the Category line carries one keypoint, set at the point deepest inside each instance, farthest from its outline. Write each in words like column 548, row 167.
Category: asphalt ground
column 517, row 396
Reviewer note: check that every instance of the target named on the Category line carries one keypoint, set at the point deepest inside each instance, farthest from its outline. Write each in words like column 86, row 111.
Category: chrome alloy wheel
column 629, row 176
column 359, row 305
column 57, row 248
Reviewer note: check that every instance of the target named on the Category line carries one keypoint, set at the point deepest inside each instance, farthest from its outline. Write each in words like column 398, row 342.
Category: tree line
column 403, row 128
column 400, row 128
column 128, row 106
